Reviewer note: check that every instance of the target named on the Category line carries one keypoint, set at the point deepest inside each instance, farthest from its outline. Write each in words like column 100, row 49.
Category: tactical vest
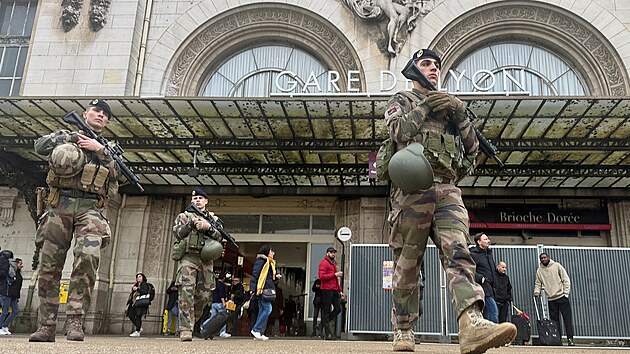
column 442, row 145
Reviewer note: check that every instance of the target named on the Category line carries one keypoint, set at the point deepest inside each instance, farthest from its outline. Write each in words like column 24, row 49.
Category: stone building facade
column 165, row 48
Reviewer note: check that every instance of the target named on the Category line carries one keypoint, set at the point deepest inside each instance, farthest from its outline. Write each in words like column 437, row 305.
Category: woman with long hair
column 135, row 311
column 263, row 280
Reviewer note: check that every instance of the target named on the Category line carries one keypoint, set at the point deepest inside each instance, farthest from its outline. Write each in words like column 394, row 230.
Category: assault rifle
column 114, row 151
column 192, row 208
column 412, row 72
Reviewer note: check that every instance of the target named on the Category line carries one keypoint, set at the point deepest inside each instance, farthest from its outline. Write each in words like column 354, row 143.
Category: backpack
column 151, row 291
column 12, row 271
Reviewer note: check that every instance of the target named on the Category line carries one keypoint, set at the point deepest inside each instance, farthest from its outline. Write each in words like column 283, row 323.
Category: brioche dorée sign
column 539, row 219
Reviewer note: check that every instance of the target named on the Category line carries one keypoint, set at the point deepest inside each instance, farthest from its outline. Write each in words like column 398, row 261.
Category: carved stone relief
column 70, row 10
column 576, row 31
column 8, row 204
column 157, row 233
column 226, row 29
column 393, row 19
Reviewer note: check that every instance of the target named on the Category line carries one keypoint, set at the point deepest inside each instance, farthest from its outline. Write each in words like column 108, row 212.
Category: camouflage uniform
column 65, row 217
column 437, row 212
column 195, row 279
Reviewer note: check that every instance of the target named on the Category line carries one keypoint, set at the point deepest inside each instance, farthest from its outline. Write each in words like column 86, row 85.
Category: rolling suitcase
column 548, row 333
column 210, row 327
column 523, row 328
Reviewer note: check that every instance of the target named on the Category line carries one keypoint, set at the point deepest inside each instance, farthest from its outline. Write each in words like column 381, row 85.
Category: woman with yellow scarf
column 263, row 288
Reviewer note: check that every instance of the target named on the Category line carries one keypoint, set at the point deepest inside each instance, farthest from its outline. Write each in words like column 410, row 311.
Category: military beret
column 199, row 191
column 102, row 105
column 427, row 53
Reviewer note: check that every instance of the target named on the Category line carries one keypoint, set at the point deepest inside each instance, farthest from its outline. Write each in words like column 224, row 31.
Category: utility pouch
column 100, row 179
column 42, row 196
column 53, row 197
column 383, row 156
column 194, row 242
column 87, row 177
column 53, row 180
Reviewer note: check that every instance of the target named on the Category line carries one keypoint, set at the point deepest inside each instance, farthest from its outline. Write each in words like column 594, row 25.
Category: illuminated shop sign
column 328, row 83
column 539, row 219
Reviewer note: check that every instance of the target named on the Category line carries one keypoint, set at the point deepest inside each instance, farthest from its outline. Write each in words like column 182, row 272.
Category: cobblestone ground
column 160, row 344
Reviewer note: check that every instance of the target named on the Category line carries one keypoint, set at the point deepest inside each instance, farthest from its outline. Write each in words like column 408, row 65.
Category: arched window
column 256, row 72
column 515, row 67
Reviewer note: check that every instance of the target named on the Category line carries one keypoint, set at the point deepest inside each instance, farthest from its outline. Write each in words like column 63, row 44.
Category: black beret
column 199, row 191
column 102, row 105
column 427, row 53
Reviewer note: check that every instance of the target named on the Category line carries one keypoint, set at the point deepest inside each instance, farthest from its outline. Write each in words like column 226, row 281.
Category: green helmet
column 67, row 160
column 211, row 251
column 410, row 170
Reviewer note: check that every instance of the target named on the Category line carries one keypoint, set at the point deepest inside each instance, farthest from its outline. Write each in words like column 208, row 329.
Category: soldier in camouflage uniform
column 81, row 178
column 195, row 277
column 439, row 122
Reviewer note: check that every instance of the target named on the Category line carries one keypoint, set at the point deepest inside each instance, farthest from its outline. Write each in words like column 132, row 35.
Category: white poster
column 388, row 272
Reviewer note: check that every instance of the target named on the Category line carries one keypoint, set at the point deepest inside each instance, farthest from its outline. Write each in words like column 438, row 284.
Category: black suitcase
column 523, row 329
column 210, row 327
column 548, row 333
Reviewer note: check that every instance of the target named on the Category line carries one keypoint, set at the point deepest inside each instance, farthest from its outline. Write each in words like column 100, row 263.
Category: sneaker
column 404, row 341
column 141, row 329
column 3, row 332
column 225, row 335
column 135, row 334
column 258, row 336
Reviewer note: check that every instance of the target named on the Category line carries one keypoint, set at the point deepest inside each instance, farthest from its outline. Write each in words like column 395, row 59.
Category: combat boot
column 185, row 336
column 43, row 334
column 404, row 340
column 74, row 328
column 476, row 334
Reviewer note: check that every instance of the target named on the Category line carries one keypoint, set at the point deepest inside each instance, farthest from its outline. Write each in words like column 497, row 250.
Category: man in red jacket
column 331, row 293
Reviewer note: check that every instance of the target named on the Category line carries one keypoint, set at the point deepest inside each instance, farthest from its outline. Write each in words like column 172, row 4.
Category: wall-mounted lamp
column 194, row 171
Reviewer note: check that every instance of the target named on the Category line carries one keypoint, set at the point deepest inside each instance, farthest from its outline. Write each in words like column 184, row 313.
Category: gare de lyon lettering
column 287, row 82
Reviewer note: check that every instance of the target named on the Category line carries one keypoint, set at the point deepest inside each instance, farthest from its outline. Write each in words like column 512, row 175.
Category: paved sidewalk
column 159, row 344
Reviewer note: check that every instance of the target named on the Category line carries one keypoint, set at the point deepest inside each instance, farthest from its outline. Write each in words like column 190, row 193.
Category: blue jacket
column 269, row 282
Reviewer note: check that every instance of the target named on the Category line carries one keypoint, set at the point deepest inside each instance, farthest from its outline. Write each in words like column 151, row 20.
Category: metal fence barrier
column 599, row 289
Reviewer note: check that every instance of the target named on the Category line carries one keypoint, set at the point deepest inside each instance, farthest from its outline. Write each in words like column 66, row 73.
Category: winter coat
column 486, row 269
column 502, row 288
column 326, row 273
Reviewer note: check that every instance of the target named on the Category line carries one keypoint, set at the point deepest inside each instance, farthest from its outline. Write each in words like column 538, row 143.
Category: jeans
column 264, row 310
column 12, row 303
column 218, row 307
column 491, row 311
column 172, row 316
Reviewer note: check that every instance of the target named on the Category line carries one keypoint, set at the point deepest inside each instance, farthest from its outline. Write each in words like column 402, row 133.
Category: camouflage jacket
column 413, row 121
column 47, row 143
column 185, row 225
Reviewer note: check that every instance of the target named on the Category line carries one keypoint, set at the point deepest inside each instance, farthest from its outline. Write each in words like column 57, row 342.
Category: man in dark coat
column 502, row 291
column 484, row 274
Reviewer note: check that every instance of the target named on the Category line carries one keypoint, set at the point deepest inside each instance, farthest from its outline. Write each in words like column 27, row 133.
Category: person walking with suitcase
column 553, row 278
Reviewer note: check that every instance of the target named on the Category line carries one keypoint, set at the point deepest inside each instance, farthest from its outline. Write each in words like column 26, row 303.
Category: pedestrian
column 288, row 314
column 553, row 278
column 502, row 291
column 237, row 294
column 317, row 303
column 198, row 243
column 172, row 308
column 262, row 286
column 10, row 301
column 136, row 308
column 438, row 121
column 277, row 308
column 485, row 271
column 331, row 293
column 218, row 303
column 81, row 179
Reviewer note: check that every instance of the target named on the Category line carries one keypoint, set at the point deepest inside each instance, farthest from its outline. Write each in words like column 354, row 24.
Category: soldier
column 438, row 122
column 200, row 244
column 81, row 178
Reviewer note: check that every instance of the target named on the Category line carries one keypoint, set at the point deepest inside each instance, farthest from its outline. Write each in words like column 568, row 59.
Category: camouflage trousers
column 72, row 217
column 438, row 213
column 196, row 281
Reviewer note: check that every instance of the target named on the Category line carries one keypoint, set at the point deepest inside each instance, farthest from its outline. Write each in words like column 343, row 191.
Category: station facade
column 277, row 105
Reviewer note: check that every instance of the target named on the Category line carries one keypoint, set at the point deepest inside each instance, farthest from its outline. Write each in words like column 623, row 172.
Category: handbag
column 142, row 301
column 268, row 295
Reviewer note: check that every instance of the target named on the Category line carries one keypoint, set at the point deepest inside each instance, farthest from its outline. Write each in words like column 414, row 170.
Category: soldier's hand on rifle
column 202, row 225
column 88, row 143
column 441, row 101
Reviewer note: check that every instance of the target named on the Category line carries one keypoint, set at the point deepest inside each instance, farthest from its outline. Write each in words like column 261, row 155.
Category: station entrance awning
column 320, row 145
